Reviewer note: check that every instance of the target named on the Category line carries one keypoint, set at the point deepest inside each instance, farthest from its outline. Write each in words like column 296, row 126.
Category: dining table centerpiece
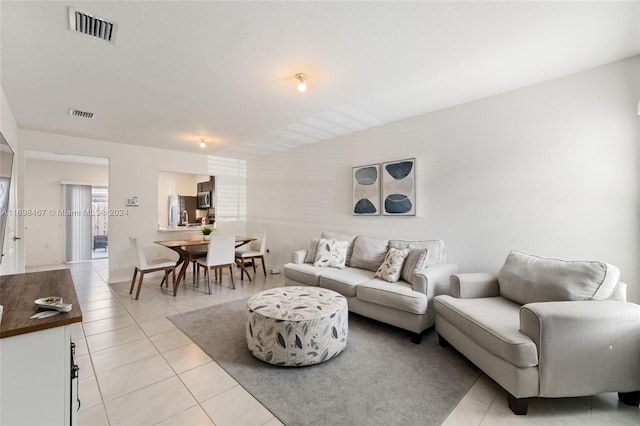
column 206, row 230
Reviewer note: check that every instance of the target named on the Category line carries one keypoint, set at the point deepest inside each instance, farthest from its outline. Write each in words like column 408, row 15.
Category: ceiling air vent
column 82, row 114
column 93, row 26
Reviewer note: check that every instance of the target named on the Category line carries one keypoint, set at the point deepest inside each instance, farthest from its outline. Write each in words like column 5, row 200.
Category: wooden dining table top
column 197, row 242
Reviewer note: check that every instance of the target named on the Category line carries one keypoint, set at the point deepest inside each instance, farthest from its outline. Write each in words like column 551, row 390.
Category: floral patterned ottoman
column 296, row 326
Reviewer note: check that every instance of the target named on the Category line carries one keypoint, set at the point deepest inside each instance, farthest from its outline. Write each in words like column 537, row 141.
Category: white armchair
column 585, row 342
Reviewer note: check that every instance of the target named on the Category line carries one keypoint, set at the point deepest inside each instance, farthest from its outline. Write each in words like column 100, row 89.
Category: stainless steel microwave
column 204, row 200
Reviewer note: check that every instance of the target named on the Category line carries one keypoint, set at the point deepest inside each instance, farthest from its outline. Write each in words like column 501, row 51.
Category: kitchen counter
column 190, row 228
column 39, row 383
column 18, row 293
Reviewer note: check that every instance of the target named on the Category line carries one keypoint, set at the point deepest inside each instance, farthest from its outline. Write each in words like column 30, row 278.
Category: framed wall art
column 399, row 188
column 366, row 190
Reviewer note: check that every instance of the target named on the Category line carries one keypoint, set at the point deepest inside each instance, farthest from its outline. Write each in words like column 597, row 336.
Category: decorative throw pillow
column 331, row 253
column 311, row 252
column 368, row 253
column 415, row 261
column 435, row 255
column 341, row 237
column 392, row 266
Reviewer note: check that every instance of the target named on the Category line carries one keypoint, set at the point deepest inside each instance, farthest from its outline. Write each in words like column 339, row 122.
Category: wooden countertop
column 18, row 293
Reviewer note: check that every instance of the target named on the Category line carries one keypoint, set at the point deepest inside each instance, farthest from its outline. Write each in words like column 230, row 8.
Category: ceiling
column 224, row 71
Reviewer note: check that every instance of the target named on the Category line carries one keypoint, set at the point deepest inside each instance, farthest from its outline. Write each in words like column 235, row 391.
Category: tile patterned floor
column 137, row 368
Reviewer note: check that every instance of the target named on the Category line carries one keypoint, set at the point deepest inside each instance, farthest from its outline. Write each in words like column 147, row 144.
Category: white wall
column 133, row 171
column 44, row 235
column 551, row 169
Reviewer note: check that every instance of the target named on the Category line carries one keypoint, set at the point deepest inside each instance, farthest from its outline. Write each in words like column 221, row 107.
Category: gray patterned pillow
column 311, row 252
column 415, row 261
column 331, row 253
column 392, row 266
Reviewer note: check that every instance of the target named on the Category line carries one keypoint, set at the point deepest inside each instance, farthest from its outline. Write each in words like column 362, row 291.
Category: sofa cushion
column 493, row 323
column 415, row 261
column 344, row 281
column 311, row 252
column 392, row 265
column 304, row 273
column 435, row 249
column 525, row 278
column 341, row 237
column 398, row 295
column 331, row 253
column 368, row 253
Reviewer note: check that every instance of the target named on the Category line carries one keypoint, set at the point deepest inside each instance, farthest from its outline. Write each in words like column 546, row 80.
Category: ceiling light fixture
column 202, row 144
column 302, row 78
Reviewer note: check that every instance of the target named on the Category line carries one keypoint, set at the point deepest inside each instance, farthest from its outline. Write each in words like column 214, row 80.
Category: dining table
column 186, row 256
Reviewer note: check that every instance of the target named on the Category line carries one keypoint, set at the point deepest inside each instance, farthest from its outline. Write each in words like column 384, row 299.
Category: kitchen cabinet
column 39, row 384
column 206, row 197
column 207, row 186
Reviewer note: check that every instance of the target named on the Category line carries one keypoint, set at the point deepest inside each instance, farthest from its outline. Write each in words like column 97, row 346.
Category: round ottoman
column 296, row 326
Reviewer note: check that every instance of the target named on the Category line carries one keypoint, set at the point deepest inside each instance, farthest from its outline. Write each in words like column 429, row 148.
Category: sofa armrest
column 584, row 347
column 434, row 280
column 473, row 285
column 298, row 256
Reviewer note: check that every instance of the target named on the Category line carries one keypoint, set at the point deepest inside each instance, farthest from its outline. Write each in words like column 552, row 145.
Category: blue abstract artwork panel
column 399, row 187
column 366, row 190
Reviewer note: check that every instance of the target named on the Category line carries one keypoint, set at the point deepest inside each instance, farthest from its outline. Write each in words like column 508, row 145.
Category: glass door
column 99, row 222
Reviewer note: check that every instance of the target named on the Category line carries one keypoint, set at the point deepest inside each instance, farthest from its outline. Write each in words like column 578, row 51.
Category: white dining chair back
column 259, row 244
column 255, row 251
column 140, row 260
column 220, row 255
column 221, row 250
column 143, row 266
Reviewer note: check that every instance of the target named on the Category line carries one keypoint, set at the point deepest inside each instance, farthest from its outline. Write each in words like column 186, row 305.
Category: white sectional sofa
column 407, row 303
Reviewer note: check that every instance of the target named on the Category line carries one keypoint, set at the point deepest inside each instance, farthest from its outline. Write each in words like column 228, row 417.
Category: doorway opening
column 72, row 191
column 100, row 222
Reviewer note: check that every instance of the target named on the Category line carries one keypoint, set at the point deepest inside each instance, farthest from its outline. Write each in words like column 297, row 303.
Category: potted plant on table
column 206, row 230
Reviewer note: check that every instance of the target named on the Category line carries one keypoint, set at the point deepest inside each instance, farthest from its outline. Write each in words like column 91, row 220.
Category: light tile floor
column 137, row 368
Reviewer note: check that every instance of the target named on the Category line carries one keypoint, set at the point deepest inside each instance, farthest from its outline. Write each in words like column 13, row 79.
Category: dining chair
column 144, row 266
column 254, row 251
column 195, row 253
column 220, row 255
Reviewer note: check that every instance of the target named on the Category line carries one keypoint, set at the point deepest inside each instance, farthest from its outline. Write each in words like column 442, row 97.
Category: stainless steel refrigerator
column 178, row 204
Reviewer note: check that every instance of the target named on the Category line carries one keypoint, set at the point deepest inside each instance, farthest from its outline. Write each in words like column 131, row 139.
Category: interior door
column 10, row 264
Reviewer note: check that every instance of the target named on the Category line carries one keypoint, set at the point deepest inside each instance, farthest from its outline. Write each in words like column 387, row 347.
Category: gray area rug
column 381, row 378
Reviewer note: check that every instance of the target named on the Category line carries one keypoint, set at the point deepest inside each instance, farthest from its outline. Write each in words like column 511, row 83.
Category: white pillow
column 311, row 252
column 331, row 253
column 415, row 261
column 341, row 237
column 392, row 266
